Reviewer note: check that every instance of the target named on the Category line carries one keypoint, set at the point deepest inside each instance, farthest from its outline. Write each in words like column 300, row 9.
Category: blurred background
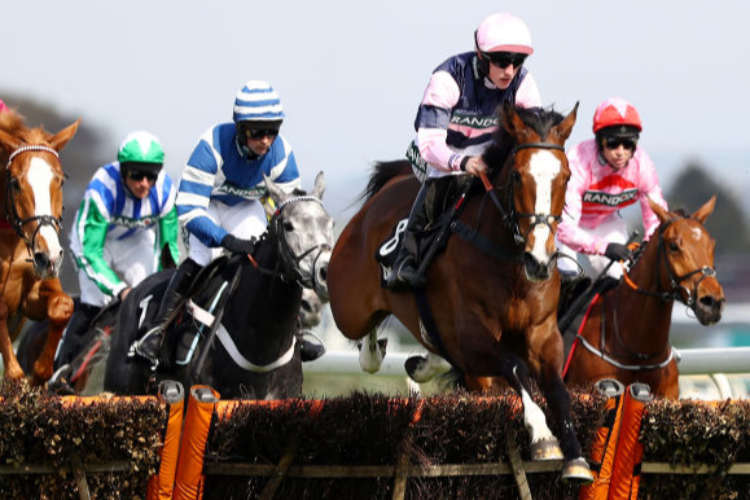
column 351, row 76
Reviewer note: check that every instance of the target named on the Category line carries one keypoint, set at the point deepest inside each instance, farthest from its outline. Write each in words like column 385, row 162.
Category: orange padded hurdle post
column 626, row 475
column 161, row 484
column 605, row 444
column 190, row 477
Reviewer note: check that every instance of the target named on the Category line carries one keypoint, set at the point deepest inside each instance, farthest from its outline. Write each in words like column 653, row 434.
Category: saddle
column 443, row 207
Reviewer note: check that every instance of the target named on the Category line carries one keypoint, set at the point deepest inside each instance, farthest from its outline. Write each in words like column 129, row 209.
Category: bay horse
column 30, row 250
column 625, row 335
column 251, row 351
column 493, row 291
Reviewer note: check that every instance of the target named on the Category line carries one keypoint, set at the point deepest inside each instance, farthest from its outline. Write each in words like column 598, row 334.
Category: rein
column 674, row 281
column 11, row 212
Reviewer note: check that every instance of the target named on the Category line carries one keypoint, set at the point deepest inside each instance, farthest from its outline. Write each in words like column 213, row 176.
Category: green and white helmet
column 141, row 147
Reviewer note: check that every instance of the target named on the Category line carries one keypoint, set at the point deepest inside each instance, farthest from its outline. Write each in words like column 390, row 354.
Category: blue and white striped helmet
column 257, row 101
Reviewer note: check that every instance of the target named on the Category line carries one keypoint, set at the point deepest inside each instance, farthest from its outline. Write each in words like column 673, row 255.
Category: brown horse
column 626, row 333
column 30, row 248
column 493, row 292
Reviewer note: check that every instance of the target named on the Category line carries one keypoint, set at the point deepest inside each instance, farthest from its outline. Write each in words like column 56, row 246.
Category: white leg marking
column 533, row 417
column 370, row 357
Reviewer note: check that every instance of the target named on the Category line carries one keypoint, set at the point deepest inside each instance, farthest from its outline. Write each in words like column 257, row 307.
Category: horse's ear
column 320, row 186
column 660, row 212
column 703, row 212
column 563, row 129
column 513, row 123
column 276, row 192
column 60, row 139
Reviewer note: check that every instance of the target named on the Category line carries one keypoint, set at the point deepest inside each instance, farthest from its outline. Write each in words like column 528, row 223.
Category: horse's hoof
column 412, row 366
column 577, row 471
column 546, row 449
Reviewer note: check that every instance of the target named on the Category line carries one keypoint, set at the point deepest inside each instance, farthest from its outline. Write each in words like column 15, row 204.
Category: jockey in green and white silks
column 126, row 217
column 117, row 236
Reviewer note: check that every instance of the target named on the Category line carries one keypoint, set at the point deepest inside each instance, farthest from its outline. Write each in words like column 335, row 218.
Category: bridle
column 11, row 212
column 666, row 296
column 510, row 216
column 675, row 282
column 287, row 253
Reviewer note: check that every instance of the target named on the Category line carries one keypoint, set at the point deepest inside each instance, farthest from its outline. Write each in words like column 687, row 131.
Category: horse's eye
column 15, row 184
column 288, row 226
column 674, row 246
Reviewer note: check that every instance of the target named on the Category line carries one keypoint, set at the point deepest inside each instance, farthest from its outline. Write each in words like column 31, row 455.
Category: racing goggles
column 248, row 132
column 616, row 142
column 504, row 59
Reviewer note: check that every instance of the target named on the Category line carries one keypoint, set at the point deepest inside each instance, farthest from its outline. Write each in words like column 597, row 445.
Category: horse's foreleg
column 13, row 370
column 59, row 312
column 546, row 370
column 372, row 352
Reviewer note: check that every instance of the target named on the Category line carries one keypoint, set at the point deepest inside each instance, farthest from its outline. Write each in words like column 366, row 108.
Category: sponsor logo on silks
column 610, row 199
column 412, row 154
column 131, row 223
column 479, row 122
column 252, row 193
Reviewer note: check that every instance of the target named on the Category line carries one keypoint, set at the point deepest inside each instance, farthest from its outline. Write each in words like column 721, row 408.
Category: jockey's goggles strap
column 32, row 147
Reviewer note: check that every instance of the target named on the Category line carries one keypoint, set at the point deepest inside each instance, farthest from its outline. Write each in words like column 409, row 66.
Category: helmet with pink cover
column 3, row 107
column 503, row 32
column 617, row 116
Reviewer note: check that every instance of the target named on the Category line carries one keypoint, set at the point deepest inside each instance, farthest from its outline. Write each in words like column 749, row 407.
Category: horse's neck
column 267, row 301
column 644, row 318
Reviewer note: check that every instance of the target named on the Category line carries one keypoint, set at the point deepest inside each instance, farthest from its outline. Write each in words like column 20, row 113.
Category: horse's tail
column 382, row 172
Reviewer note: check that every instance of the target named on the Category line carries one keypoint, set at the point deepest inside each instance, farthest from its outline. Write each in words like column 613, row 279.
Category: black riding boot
column 73, row 340
column 404, row 270
column 149, row 346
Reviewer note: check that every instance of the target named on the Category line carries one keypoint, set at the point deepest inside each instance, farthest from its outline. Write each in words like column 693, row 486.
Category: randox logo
column 610, row 200
column 474, row 121
column 234, row 190
column 131, row 223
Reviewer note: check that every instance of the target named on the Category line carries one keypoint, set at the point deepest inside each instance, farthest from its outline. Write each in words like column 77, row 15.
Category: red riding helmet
column 616, row 112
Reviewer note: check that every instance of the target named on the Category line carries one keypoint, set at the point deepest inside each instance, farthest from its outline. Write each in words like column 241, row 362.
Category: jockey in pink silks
column 608, row 173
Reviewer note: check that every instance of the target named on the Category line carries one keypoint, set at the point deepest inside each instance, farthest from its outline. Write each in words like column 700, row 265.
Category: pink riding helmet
column 3, row 107
column 504, row 32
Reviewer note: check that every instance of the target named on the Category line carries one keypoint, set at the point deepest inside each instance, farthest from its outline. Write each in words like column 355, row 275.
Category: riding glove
column 237, row 245
column 618, row 251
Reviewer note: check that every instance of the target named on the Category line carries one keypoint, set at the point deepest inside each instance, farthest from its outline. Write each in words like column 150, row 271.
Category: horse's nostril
column 41, row 261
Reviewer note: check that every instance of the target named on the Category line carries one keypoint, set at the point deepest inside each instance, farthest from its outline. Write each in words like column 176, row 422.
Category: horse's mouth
column 536, row 271
column 708, row 309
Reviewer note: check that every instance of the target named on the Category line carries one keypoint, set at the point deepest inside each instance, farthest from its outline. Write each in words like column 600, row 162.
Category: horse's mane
column 540, row 120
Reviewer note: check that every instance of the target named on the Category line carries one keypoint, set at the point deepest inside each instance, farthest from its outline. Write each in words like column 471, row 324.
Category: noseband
column 15, row 221
column 511, row 216
column 291, row 259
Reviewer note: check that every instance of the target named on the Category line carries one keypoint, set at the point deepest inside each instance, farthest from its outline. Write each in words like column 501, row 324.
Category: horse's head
column 536, row 183
column 32, row 189
column 305, row 233
column 687, row 251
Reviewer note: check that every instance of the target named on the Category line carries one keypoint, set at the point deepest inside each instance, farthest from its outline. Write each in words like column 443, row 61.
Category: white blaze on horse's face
column 40, row 176
column 544, row 167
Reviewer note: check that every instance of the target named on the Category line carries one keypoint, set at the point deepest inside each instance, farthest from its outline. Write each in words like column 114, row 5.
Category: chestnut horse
column 626, row 332
column 493, row 292
column 30, row 248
